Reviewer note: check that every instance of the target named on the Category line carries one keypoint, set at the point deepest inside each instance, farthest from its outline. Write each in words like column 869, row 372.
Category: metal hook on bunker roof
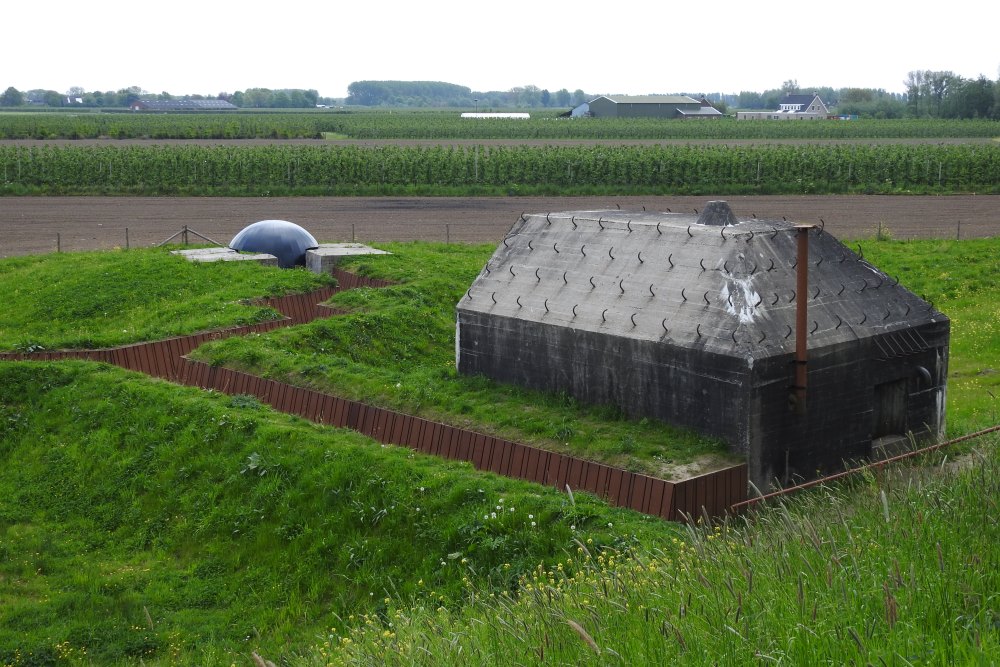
column 565, row 282
column 573, row 220
column 547, row 219
column 701, row 262
column 795, row 262
column 603, row 313
column 697, row 329
column 864, row 286
column 843, row 256
column 618, row 206
column 609, row 252
column 907, row 310
column 518, row 301
column 522, row 216
column 620, row 282
column 555, row 248
column 789, row 333
column 888, row 313
column 760, row 300
column 493, row 296
column 670, row 259
column 663, row 324
column 640, row 257
column 729, row 298
column 633, row 319
column 776, row 297
column 651, row 292
column 815, row 327
column 861, row 252
column 658, row 232
column 842, row 288
column 468, row 293
column 763, row 335
column 682, row 295
column 696, row 211
column 583, row 250
column 819, row 261
column 488, row 272
column 531, row 248
column 817, row 293
column 505, row 244
column 537, row 277
column 750, row 238
column 629, row 225
column 600, row 223
column 895, row 280
column 705, row 296
column 574, row 309
column 839, row 321
column 722, row 232
column 689, row 231
column 792, row 297
column 863, row 319
column 880, row 281
column 774, row 232
column 734, row 336
column 511, row 269
column 725, row 266
column 771, row 267
column 822, row 227
column 592, row 285
column 754, row 269
column 546, row 305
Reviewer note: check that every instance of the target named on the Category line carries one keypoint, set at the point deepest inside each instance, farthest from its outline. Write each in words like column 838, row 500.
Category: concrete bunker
column 695, row 320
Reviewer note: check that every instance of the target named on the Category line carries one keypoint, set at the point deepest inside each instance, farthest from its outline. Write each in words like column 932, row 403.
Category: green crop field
column 274, row 170
column 447, row 124
column 145, row 523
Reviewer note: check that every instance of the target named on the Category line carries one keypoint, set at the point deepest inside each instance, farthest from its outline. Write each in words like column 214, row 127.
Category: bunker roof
column 720, row 284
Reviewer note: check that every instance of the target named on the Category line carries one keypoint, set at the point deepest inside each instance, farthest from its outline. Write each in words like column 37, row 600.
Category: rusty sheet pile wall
column 713, row 493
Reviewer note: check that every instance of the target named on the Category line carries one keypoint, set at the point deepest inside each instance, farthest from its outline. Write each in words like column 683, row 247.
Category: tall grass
column 897, row 570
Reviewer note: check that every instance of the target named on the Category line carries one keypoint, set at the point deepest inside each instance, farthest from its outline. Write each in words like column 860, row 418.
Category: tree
column 579, row 97
column 790, row 87
column 11, row 97
column 563, row 98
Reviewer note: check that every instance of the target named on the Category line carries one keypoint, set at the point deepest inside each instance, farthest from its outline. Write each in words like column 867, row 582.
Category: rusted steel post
column 801, row 317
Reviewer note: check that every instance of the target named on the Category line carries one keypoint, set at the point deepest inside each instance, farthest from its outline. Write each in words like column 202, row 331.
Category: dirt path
column 30, row 225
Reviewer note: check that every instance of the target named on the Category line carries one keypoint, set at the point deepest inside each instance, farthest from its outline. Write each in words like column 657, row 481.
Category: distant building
column 651, row 106
column 793, row 107
column 182, row 105
column 515, row 115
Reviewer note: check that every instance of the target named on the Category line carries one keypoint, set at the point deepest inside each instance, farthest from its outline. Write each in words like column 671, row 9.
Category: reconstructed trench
column 712, row 493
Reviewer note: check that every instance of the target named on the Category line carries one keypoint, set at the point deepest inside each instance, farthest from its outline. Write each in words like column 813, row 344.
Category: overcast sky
column 621, row 47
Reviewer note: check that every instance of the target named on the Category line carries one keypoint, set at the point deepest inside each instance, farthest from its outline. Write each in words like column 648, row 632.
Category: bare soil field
column 32, row 225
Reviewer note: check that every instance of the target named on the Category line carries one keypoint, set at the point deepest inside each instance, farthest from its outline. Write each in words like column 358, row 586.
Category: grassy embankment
column 238, row 529
column 144, row 521
column 102, row 299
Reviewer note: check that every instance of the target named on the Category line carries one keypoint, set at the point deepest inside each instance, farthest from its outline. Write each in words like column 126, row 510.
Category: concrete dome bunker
column 692, row 320
column 285, row 240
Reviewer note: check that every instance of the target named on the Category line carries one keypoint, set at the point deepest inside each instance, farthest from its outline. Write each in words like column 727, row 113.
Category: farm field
column 31, row 225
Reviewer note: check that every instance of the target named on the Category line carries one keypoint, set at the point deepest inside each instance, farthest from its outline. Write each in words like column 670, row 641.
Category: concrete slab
column 324, row 258
column 225, row 255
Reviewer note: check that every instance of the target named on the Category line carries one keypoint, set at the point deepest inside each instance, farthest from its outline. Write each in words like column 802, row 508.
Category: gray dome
column 285, row 240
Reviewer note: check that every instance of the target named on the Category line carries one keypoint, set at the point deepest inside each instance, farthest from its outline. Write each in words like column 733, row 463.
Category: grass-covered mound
column 396, row 349
column 900, row 570
column 102, row 299
column 144, row 521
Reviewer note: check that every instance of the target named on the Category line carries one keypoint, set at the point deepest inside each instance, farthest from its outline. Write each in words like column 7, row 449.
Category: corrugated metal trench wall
column 713, row 493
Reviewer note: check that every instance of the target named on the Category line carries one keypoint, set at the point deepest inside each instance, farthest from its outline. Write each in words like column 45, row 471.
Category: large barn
column 704, row 321
column 651, row 106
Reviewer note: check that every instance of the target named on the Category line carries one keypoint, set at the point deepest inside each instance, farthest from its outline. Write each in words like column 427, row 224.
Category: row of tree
column 254, row 98
column 929, row 94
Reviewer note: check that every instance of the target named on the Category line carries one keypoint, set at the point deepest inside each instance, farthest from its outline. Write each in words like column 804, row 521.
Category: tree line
column 928, row 94
column 252, row 98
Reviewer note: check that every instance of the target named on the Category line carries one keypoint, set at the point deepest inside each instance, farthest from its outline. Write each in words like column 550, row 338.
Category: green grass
column 144, row 521
column 900, row 570
column 102, row 299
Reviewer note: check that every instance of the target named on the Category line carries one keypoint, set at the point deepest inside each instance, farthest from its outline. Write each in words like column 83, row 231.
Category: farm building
column 651, row 106
column 792, row 107
column 182, row 105
column 702, row 321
